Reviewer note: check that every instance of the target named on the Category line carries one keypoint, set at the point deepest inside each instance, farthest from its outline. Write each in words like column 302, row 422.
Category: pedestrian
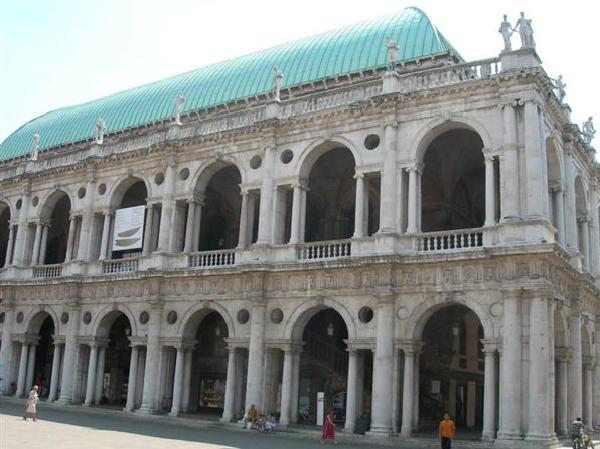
column 30, row 405
column 251, row 417
column 328, row 428
column 447, row 430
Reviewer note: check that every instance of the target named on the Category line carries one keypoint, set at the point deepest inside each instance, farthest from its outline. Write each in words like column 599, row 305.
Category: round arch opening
column 56, row 212
column 453, row 182
column 132, row 193
column 4, row 233
column 114, row 367
column 44, row 353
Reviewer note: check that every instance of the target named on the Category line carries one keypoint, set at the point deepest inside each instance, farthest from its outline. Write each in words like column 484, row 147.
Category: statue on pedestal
column 179, row 100
column 588, row 131
column 277, row 82
column 506, row 31
column 36, row 147
column 392, row 54
column 525, row 31
column 560, row 85
column 99, row 129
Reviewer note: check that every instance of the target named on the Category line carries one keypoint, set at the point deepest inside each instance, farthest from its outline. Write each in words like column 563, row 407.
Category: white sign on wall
column 129, row 228
column 320, row 408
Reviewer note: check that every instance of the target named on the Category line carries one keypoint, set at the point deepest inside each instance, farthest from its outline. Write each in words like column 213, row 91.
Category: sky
column 55, row 53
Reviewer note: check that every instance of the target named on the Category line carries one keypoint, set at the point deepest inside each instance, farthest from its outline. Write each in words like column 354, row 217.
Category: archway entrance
column 56, row 211
column 204, row 386
column 40, row 373
column 323, row 367
column 453, row 182
column 4, row 234
column 451, row 369
column 133, row 193
column 117, row 357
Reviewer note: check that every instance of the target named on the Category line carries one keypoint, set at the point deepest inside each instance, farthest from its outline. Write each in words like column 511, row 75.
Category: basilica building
column 360, row 219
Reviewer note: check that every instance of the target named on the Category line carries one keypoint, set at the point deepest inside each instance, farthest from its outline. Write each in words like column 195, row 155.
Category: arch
column 319, row 147
column 554, row 160
column 561, row 329
column 194, row 315
column 121, row 187
column 415, row 324
column 302, row 314
column 35, row 318
column 581, row 197
column 205, row 171
column 439, row 126
column 49, row 202
column 4, row 205
column 107, row 316
column 587, row 344
column 5, row 218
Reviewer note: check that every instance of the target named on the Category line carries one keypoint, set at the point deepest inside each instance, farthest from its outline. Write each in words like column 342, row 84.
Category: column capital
column 108, row 211
column 359, row 175
column 507, row 101
column 391, row 124
column 588, row 362
column 563, row 354
column 417, row 167
column 411, row 346
column 491, row 345
column 556, row 186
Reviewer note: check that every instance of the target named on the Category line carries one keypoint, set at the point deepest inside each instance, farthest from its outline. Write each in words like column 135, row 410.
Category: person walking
column 447, row 430
column 31, row 404
column 328, row 428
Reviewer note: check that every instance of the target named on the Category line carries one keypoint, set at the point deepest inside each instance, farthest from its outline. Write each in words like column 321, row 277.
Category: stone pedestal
column 523, row 58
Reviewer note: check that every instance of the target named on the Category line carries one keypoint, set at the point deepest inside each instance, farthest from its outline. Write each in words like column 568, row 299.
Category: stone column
column 295, row 387
column 105, row 234
column 351, row 390
column 151, row 372
column 287, row 384
column 381, row 408
column 187, row 379
column 571, row 207
column 132, row 380
column 30, row 367
column 536, row 181
column 389, row 179
column 21, row 237
column 6, row 349
column 229, row 402
column 266, row 198
column 560, row 213
column 43, row 244
column 55, row 371
column 585, row 237
column 296, row 214
column 100, row 375
column 147, row 246
column 70, row 356
column 168, row 206
column 596, row 388
column 510, row 166
column 244, row 219
column 256, row 353
column 562, row 387
column 92, row 375
column 539, row 369
column 575, row 367
column 594, row 235
column 588, row 387
column 510, row 367
column 359, row 209
column 408, row 391
column 87, row 236
column 9, row 247
column 189, row 226
column 36, row 243
column 489, row 399
column 71, row 237
column 21, row 377
column 490, row 190
column 413, row 173
column 177, row 382
column 303, row 214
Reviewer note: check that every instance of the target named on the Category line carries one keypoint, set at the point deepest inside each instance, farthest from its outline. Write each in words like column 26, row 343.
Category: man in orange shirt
column 447, row 429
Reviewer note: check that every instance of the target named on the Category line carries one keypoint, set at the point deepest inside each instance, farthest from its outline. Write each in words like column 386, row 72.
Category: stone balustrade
column 48, row 271
column 332, row 249
column 208, row 259
column 458, row 240
column 120, row 266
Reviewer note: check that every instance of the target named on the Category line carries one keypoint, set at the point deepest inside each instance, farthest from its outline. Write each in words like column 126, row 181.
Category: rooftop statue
column 179, row 100
column 525, row 31
column 36, row 147
column 277, row 81
column 392, row 54
column 588, row 131
column 99, row 129
column 560, row 85
column 506, row 31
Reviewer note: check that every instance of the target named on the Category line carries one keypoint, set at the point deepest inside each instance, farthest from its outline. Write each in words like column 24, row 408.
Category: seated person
column 251, row 417
column 270, row 423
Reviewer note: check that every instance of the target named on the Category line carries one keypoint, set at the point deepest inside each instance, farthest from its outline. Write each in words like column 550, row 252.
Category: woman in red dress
column 328, row 428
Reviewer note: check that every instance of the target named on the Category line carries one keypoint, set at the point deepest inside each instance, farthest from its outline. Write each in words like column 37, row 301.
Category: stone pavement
column 61, row 427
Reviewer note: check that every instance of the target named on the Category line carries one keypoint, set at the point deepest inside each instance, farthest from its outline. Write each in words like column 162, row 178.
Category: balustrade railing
column 212, row 259
column 47, row 271
column 325, row 250
column 120, row 266
column 450, row 240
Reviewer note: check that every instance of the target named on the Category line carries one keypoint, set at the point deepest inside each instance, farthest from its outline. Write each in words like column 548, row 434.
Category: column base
column 227, row 419
column 174, row 414
column 488, row 436
column 65, row 401
column 379, row 432
column 145, row 410
column 509, row 436
column 549, row 438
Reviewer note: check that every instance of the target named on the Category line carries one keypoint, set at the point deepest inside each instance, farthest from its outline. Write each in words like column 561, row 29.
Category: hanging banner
column 129, row 228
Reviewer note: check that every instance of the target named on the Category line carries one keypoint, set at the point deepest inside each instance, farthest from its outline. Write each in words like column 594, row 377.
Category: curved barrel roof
column 346, row 50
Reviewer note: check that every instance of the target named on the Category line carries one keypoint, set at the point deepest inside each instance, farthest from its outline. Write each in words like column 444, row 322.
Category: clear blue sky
column 57, row 53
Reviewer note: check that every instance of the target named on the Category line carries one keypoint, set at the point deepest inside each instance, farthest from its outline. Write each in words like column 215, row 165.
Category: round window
column 2, row 316
column 365, row 314
column 159, row 179
column 81, row 192
column 287, row 156
column 64, row 318
column 243, row 316
column 102, row 189
column 87, row 317
column 276, row 316
column 255, row 162
column 35, row 201
column 20, row 317
column 184, row 174
column 171, row 317
column 144, row 317
column 372, row 141
column 19, row 204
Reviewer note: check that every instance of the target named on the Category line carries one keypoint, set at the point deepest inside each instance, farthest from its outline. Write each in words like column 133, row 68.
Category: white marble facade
column 529, row 272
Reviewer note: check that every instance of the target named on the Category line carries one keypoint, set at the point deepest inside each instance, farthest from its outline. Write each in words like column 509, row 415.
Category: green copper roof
column 349, row 49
